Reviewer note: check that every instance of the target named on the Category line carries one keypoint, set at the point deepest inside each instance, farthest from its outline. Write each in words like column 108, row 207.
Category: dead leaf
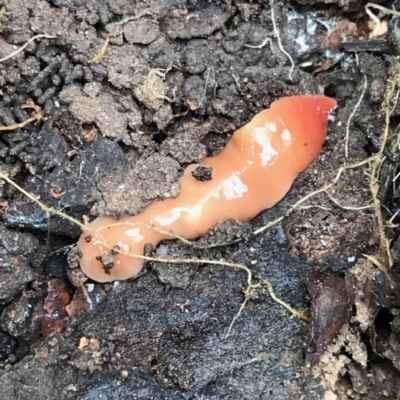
column 59, row 194
column 90, row 135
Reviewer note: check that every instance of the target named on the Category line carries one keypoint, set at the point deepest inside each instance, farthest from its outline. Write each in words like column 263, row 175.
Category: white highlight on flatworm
column 233, row 187
column 263, row 137
column 135, row 235
column 271, row 127
column 172, row 215
column 286, row 138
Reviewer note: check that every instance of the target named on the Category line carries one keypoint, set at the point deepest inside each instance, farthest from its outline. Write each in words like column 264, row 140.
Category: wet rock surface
column 121, row 125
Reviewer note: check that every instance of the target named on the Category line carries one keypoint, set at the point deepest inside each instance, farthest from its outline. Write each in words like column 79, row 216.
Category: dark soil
column 177, row 78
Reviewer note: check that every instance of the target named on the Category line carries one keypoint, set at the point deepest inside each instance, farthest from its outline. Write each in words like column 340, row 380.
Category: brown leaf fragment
column 83, row 342
column 58, row 194
column 31, row 104
column 56, row 318
column 345, row 31
column 90, row 134
column 332, row 299
column 192, row 104
column 80, row 303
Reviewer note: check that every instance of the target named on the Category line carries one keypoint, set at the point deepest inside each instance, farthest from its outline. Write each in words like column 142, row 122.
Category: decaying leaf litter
column 168, row 335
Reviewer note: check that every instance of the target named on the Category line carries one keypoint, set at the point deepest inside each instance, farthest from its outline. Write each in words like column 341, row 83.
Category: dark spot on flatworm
column 115, row 250
column 148, row 249
column 107, row 259
column 202, row 173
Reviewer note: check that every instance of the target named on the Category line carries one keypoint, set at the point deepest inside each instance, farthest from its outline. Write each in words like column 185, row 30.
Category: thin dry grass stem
column 14, row 53
column 100, row 240
column 102, row 51
column 315, row 206
column 295, row 313
column 350, row 208
column 380, row 266
column 47, row 210
column 37, row 118
column 346, row 143
column 312, row 194
column 390, row 102
column 209, row 69
column 117, row 25
column 236, row 317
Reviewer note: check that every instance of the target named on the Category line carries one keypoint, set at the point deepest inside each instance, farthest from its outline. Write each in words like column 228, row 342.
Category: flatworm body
column 252, row 173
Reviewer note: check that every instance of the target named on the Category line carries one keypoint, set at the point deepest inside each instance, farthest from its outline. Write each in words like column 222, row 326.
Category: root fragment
column 14, row 53
column 37, row 118
column 278, row 37
column 116, row 32
column 295, row 313
column 346, row 145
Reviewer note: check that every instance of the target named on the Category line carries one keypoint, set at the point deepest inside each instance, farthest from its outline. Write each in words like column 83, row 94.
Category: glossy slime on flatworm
column 252, row 173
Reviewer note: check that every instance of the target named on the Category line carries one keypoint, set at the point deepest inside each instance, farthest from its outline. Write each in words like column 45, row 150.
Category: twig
column 14, row 53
